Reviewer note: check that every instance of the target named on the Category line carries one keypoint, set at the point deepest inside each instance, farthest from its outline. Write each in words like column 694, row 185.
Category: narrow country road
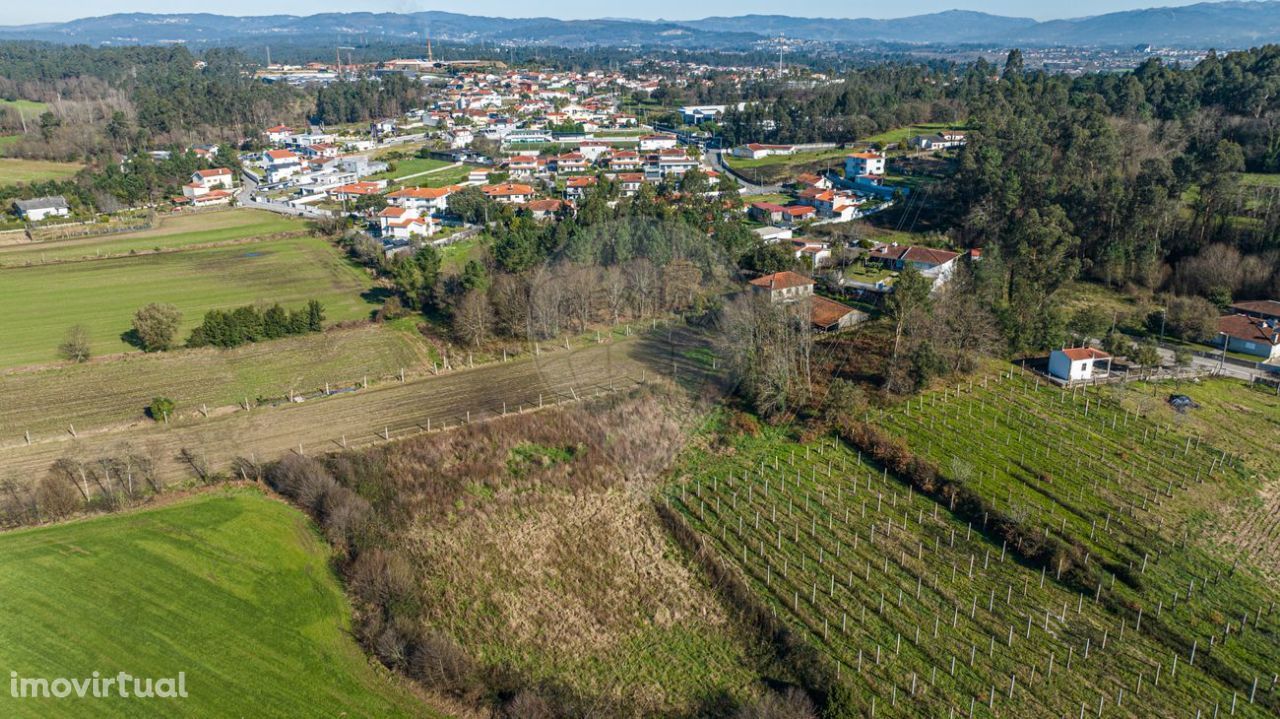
column 369, row 416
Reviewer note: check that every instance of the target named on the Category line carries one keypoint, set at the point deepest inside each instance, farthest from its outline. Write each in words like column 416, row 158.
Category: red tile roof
column 545, row 205
column 825, row 313
column 1250, row 329
column 1076, row 354
column 1268, row 308
column 423, row 193
column 506, row 188
column 781, row 281
column 358, row 188
column 929, row 255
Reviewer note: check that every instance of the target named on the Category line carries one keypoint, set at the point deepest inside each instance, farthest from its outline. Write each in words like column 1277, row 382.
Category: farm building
column 831, row 316
column 1079, row 363
column 42, row 207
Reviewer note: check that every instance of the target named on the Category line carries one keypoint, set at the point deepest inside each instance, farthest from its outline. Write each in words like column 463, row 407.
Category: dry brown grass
column 556, row 569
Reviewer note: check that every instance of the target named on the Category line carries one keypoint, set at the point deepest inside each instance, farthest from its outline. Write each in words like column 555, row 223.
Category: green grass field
column 834, row 155
column 6, row 140
column 171, row 232
column 914, row 604
column 409, row 166
column 453, row 257
column 229, row 587
column 902, row 134
column 1260, row 179
column 42, row 302
column 451, row 176
column 98, row 394
column 14, row 171
column 28, row 107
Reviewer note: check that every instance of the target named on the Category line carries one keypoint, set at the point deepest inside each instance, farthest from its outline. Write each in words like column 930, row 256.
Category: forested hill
column 1204, row 25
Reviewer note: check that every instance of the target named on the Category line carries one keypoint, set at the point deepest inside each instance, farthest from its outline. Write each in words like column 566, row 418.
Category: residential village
column 542, row 141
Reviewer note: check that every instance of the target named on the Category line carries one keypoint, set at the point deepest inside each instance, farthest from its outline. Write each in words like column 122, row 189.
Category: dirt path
column 365, row 416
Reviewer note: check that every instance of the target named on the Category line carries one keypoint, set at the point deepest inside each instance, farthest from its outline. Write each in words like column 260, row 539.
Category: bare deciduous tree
column 473, row 318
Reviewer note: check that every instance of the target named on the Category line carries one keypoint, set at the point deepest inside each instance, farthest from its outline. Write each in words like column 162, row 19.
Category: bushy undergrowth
column 395, row 513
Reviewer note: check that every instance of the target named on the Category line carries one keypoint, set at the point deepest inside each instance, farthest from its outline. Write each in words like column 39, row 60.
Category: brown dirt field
column 400, row 409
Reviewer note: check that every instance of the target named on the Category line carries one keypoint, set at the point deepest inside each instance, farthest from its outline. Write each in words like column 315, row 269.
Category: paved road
column 1217, row 366
column 250, row 198
column 713, row 160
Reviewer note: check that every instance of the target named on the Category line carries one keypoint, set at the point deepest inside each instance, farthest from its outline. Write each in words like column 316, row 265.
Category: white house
column 523, row 165
column 668, row 163
column 42, row 207
column 278, row 134
column 629, row 182
column 460, row 137
column 404, row 223
column 422, row 199
column 863, row 163
column 353, row 191
column 944, row 140
column 756, row 151
column 218, row 177
column 1079, row 363
column 320, row 150
column 281, row 165
column 575, row 188
column 508, row 193
column 593, row 149
column 662, row 141
column 311, row 138
column 817, row 252
column 199, row 196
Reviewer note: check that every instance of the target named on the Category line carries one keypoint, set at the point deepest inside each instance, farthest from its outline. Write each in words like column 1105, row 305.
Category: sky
column 60, row 10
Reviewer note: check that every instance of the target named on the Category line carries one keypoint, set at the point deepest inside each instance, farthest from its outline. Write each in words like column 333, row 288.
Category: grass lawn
column 451, row 176
column 835, row 155
column 13, row 170
column 409, row 166
column 1260, row 179
column 902, row 134
column 28, row 107
column 870, row 273
column 230, row 587
column 453, row 257
column 170, row 232
column 41, row 302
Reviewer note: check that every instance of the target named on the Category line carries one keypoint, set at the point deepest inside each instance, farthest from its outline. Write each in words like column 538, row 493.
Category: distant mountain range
column 1223, row 25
